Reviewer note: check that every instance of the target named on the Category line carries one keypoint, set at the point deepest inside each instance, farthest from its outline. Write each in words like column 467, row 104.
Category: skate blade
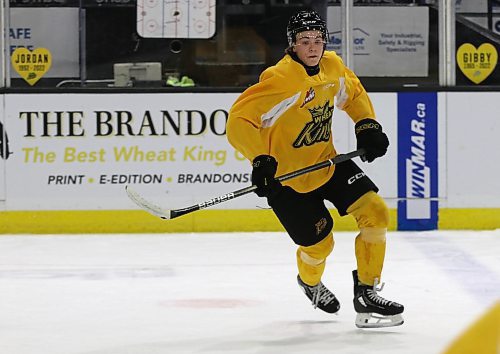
column 373, row 320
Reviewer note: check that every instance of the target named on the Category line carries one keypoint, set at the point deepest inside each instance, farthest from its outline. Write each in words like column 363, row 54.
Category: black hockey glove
column 264, row 170
column 369, row 136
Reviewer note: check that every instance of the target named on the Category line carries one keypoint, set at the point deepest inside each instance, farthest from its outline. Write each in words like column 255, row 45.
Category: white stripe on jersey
column 274, row 113
column 341, row 96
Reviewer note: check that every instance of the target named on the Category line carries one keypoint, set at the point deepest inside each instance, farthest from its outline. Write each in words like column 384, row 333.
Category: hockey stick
column 168, row 214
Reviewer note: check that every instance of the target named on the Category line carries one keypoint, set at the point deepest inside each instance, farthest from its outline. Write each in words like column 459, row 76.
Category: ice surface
column 231, row 293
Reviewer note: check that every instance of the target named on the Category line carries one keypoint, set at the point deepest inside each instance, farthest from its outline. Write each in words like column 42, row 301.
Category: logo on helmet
column 305, row 21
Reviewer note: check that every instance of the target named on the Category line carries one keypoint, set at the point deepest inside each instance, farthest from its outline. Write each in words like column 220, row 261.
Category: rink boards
column 71, row 156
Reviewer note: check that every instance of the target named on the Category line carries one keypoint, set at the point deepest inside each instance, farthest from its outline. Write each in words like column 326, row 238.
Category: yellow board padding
column 469, row 219
column 137, row 221
column 210, row 220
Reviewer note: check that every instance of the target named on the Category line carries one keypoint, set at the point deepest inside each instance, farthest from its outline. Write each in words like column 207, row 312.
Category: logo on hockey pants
column 320, row 225
column 355, row 177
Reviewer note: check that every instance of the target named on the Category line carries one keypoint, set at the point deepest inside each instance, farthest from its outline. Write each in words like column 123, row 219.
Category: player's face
column 309, row 47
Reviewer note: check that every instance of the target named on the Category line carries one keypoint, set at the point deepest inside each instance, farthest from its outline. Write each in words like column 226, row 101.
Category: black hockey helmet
column 305, row 20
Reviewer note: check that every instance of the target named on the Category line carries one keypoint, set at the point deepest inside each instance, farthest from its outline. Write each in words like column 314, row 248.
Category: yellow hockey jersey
column 288, row 115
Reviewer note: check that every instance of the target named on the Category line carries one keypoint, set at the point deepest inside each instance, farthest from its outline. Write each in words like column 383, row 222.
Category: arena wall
column 72, row 154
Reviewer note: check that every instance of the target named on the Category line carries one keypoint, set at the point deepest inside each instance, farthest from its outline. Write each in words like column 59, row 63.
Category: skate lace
column 376, row 298
column 321, row 295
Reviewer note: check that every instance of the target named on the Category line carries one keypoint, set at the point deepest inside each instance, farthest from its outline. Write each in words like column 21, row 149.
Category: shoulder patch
column 310, row 94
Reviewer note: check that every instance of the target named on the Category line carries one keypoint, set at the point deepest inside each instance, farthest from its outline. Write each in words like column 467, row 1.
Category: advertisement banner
column 79, row 151
column 417, row 161
column 396, row 44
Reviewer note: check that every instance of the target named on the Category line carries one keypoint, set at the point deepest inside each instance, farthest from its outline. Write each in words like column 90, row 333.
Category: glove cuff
column 263, row 160
column 367, row 124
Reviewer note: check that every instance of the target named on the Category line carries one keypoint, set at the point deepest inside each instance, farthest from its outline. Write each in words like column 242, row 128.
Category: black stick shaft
column 238, row 193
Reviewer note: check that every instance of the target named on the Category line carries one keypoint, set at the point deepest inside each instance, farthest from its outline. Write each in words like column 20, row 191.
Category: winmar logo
column 317, row 130
column 418, row 176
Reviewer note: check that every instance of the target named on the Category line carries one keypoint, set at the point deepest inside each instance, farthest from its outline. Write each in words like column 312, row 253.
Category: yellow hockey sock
column 372, row 215
column 311, row 260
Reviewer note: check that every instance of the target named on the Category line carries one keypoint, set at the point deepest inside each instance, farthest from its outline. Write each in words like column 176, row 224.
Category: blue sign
column 417, row 161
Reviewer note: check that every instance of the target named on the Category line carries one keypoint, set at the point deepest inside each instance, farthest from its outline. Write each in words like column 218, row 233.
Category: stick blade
column 147, row 205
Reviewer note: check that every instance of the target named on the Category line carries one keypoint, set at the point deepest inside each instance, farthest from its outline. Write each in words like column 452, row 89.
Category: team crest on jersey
column 309, row 97
column 318, row 129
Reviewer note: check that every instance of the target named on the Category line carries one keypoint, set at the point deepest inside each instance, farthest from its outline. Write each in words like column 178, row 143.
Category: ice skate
column 373, row 311
column 320, row 296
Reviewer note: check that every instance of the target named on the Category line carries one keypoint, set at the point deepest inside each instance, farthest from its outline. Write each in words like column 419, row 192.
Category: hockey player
column 283, row 123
